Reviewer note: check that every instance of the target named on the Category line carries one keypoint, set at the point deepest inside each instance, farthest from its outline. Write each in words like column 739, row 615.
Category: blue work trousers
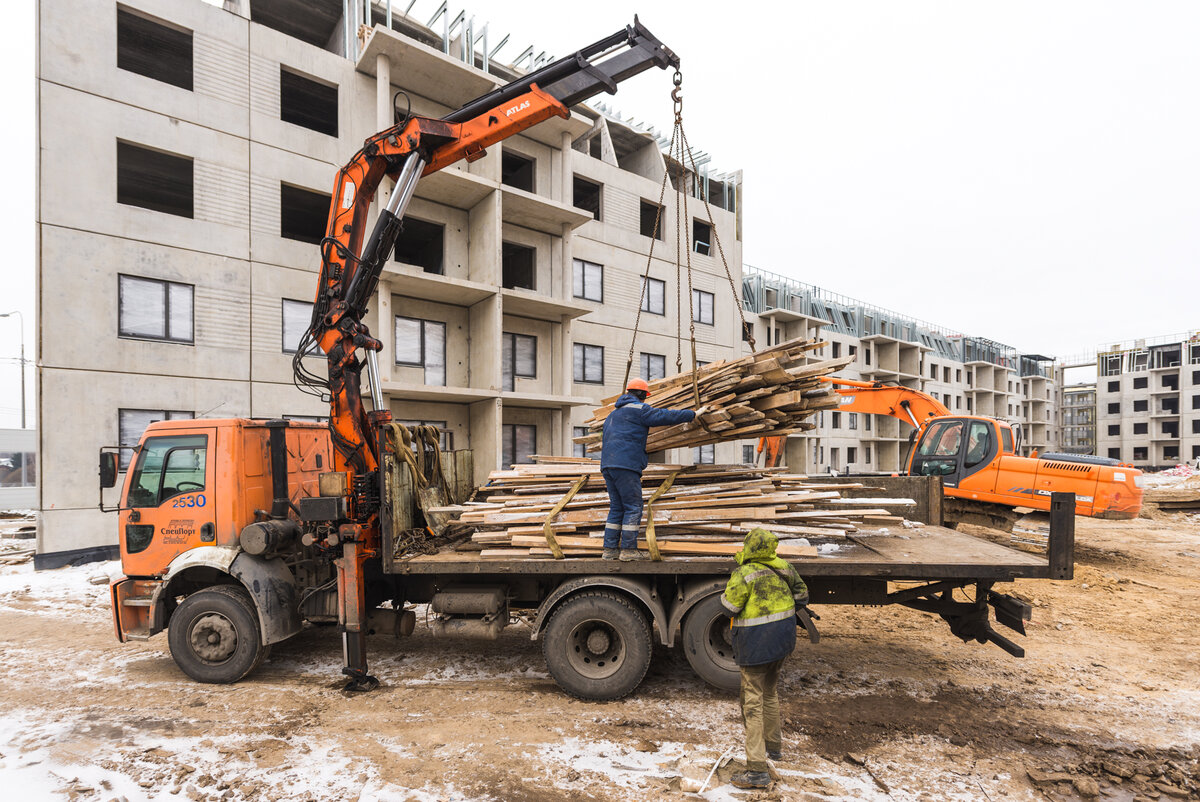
column 624, row 508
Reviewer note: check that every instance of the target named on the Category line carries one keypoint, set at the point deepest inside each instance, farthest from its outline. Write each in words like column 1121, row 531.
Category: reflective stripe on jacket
column 760, row 596
column 627, row 427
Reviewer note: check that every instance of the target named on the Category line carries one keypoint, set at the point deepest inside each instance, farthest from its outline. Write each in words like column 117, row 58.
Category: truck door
column 169, row 500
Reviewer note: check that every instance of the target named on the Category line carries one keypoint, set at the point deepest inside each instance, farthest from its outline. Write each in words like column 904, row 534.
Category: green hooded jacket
column 756, row 594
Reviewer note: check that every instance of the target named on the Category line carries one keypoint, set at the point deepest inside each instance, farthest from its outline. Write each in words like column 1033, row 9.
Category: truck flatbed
column 925, row 553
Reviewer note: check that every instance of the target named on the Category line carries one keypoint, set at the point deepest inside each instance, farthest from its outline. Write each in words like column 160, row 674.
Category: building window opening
column 154, row 49
column 654, row 366
column 702, row 237
column 588, row 280
column 308, row 103
column 649, row 220
column 297, row 316
column 520, row 444
column 589, row 363
column 654, row 295
column 519, row 359
column 702, row 307
column 587, row 196
column 422, row 343
column 302, row 214
column 422, row 245
column 517, row 263
column 149, row 309
column 516, row 171
column 152, row 179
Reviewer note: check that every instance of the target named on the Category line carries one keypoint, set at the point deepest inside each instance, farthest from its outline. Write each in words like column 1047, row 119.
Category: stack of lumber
column 767, row 393
column 706, row 510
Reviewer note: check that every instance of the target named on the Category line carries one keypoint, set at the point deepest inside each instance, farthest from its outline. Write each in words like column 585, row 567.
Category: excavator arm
column 351, row 264
column 876, row 398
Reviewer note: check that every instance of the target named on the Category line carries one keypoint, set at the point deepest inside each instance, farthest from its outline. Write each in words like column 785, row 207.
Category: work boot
column 775, row 754
column 751, row 779
column 610, row 554
column 629, row 555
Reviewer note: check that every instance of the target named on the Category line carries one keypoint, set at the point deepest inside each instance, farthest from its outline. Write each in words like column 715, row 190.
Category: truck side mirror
column 108, row 469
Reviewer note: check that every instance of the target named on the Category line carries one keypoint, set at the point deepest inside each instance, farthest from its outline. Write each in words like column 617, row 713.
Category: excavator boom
column 877, row 398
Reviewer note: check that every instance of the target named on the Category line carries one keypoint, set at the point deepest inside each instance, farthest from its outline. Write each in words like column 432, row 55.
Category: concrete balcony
column 425, row 392
column 446, row 80
column 526, row 303
column 415, row 283
column 524, row 209
column 456, row 188
column 543, row 401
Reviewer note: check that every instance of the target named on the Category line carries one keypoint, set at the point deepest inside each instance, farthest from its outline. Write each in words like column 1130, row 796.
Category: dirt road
column 888, row 706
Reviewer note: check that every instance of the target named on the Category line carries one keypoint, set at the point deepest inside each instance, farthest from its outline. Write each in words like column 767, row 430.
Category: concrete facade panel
column 219, row 176
column 90, row 340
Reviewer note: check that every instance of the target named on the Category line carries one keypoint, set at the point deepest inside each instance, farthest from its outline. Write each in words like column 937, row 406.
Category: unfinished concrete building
column 1148, row 401
column 1079, row 419
column 178, row 243
column 969, row 375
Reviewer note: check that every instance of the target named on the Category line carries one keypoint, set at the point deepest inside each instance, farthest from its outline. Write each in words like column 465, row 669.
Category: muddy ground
column 888, row 706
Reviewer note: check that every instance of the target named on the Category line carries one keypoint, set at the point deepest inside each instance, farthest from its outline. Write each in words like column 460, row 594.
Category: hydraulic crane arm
column 415, row 147
column 877, row 398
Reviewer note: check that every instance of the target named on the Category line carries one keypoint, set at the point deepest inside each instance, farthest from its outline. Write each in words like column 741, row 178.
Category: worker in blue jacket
column 622, row 460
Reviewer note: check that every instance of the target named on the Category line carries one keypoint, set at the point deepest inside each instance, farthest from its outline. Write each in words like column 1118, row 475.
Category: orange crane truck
column 975, row 456
column 235, row 533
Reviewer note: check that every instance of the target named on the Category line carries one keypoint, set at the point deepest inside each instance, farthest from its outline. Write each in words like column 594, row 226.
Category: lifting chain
column 679, row 154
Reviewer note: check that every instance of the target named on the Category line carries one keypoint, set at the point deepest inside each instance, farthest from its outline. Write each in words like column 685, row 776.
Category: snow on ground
column 23, row 588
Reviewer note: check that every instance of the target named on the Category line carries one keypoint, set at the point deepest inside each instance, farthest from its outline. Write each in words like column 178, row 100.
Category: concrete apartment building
column 1078, row 417
column 969, row 375
column 178, row 240
column 1147, row 401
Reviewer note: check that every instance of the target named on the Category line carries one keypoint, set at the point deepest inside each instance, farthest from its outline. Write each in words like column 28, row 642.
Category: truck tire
column 214, row 635
column 707, row 646
column 597, row 646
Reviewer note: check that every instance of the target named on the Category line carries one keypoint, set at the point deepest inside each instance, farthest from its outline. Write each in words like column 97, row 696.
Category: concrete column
column 565, row 160
column 386, row 332
column 485, row 437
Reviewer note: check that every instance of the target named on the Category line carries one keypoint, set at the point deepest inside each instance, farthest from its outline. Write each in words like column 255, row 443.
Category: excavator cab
column 955, row 448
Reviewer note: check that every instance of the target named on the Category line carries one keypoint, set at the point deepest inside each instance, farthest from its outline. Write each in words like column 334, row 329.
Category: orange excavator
column 976, row 458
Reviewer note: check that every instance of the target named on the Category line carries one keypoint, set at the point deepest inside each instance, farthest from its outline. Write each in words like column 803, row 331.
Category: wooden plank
column 669, row 546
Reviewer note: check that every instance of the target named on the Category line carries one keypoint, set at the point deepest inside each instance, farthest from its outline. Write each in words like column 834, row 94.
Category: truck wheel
column 597, row 646
column 214, row 635
column 707, row 644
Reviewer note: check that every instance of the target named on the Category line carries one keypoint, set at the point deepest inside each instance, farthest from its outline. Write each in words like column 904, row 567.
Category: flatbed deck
column 925, row 553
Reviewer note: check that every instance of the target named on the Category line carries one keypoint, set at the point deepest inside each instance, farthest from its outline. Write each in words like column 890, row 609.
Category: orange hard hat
column 638, row 384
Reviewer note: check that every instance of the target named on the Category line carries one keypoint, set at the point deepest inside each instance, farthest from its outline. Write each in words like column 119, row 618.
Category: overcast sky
column 1027, row 172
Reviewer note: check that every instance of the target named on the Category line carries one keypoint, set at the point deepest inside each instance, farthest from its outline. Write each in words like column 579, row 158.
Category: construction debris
column 558, row 507
column 767, row 393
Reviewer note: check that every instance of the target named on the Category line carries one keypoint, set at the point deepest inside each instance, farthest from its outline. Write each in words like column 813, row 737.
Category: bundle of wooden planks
column 704, row 510
column 770, row 392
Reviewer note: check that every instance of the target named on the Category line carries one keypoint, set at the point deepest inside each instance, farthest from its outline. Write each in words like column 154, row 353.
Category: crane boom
column 351, row 264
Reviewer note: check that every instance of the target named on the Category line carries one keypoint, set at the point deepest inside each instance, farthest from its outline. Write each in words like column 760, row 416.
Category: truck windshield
column 168, row 466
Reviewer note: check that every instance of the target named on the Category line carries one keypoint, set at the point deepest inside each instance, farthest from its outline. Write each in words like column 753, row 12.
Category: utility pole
column 21, row 319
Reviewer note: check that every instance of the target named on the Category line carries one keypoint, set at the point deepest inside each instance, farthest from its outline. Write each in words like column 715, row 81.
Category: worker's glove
column 703, row 410
column 801, row 601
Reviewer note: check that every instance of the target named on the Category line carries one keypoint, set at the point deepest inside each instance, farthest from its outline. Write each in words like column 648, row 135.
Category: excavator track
column 957, row 511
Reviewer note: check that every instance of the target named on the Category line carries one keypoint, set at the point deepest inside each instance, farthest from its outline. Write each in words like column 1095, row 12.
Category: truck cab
column 193, row 489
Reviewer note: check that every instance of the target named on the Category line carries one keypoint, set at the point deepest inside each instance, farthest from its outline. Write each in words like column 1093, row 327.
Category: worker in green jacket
column 762, row 596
